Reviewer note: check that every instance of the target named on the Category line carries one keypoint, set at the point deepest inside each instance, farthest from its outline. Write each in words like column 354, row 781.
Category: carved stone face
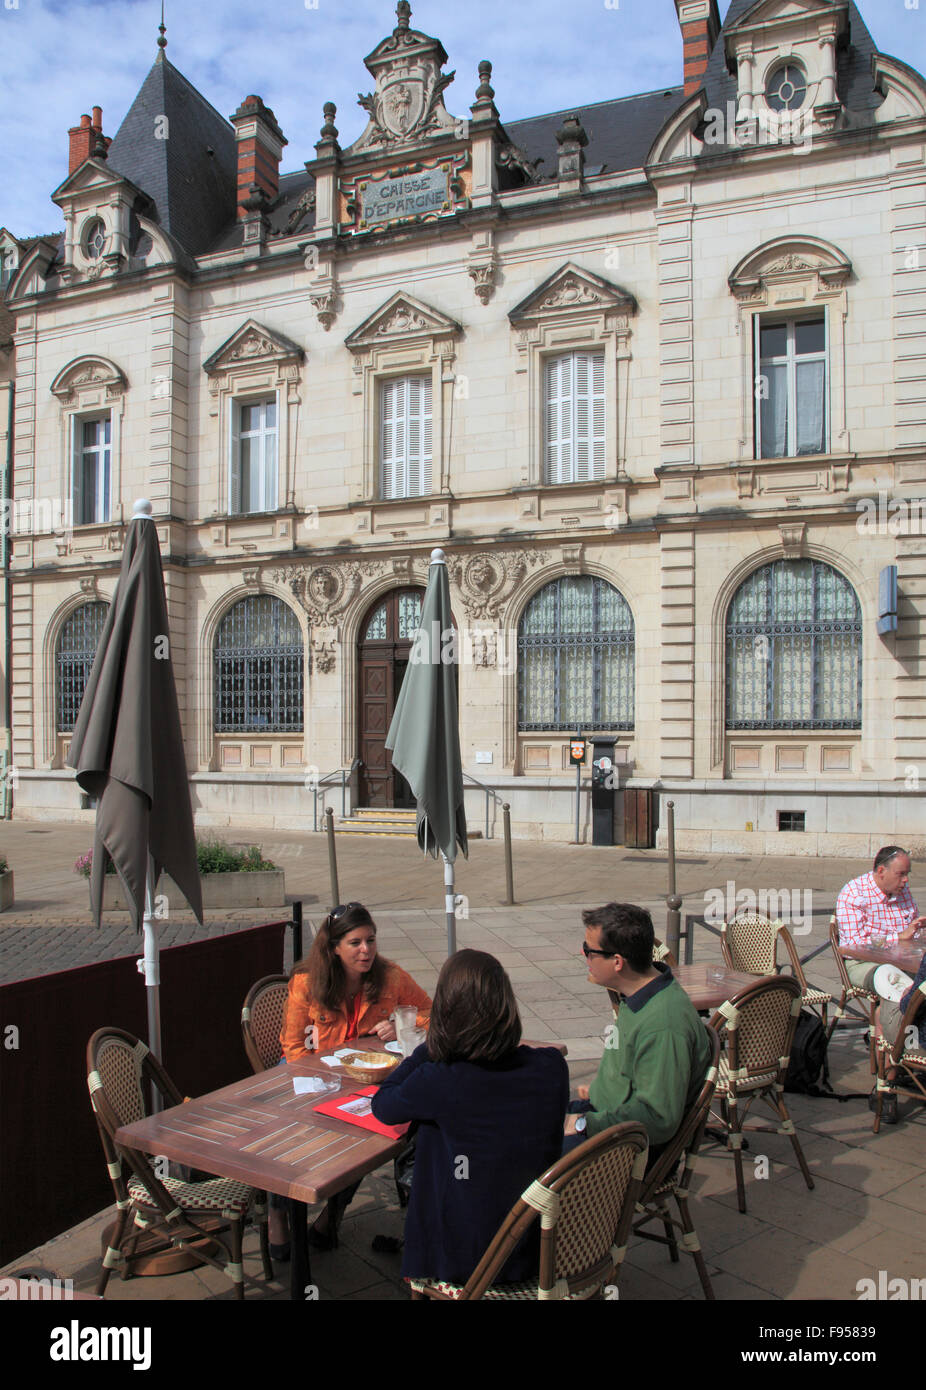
column 323, row 585
column 482, row 575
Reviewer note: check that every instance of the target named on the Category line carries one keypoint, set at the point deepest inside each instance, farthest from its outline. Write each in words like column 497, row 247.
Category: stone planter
column 263, row 888
column 6, row 890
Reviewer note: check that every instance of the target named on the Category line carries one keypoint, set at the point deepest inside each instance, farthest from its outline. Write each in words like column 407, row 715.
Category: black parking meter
column 604, row 791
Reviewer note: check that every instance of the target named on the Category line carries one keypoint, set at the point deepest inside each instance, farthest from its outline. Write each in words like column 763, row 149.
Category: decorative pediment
column 94, row 176
column 253, row 343
column 402, row 318
column 789, row 259
column 769, row 12
column 570, row 290
column 676, row 140
column 89, row 372
column 30, row 277
column 407, row 105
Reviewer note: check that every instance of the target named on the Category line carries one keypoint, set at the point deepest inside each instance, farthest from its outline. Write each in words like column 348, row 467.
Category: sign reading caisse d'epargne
column 404, row 195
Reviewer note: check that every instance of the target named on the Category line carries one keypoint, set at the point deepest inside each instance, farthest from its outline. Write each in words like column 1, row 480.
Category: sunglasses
column 591, row 951
column 339, row 911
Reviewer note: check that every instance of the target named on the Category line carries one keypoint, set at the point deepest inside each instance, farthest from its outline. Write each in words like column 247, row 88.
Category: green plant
column 215, row 857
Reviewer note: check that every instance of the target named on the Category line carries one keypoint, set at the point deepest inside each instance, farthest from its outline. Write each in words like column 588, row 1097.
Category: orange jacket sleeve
column 298, row 1035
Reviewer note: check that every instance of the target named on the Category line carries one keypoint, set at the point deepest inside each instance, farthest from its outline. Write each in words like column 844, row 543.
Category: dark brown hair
column 885, row 855
column 474, row 1017
column 626, row 930
column 327, row 981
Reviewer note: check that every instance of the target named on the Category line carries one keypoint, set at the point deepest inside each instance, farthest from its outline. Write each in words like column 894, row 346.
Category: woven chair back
column 750, row 944
column 840, row 962
column 262, row 1021
column 767, row 1017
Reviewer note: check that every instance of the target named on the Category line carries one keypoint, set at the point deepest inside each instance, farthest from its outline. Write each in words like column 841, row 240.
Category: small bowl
column 370, row 1067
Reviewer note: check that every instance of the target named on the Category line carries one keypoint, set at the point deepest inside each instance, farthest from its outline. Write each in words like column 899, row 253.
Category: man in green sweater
column 657, row 1050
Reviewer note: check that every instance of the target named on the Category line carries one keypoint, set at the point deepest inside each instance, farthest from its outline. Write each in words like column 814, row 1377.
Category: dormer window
column 94, row 240
column 786, row 89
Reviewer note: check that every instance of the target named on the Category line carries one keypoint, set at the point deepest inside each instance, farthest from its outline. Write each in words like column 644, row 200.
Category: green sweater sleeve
column 661, row 1074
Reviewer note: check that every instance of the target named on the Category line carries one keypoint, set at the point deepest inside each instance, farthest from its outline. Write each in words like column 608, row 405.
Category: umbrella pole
column 150, row 967
column 449, row 905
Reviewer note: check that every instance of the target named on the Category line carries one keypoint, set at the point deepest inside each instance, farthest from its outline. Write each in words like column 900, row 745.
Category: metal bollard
column 509, row 871
column 332, row 858
column 673, row 901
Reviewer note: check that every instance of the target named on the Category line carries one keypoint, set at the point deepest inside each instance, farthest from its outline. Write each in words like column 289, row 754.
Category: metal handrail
column 488, row 792
column 344, row 774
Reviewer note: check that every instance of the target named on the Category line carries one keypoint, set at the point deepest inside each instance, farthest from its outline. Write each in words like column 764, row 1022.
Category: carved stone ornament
column 789, row 256
column 325, row 304
column 569, row 289
column 407, row 104
column 326, row 591
column 323, row 654
column 487, row 580
column 88, row 585
column 89, row 372
column 251, row 576
column 402, row 316
column 483, row 273
column 514, row 158
column 252, row 342
column 792, row 539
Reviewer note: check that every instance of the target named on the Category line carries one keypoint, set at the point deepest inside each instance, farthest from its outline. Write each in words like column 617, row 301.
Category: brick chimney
column 260, row 147
column 83, row 139
column 700, row 25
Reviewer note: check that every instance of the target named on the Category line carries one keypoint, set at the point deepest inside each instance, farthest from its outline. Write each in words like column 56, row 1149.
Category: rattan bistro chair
column 585, row 1203
column 909, row 1066
column 864, row 999
column 664, row 1180
column 750, row 944
column 186, row 1215
column 262, row 1021
column 758, row 1027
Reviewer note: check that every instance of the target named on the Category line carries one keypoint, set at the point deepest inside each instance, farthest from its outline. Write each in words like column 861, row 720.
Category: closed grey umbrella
column 424, row 735
column 128, row 752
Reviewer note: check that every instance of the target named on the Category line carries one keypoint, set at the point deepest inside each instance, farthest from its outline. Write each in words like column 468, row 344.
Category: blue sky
column 59, row 58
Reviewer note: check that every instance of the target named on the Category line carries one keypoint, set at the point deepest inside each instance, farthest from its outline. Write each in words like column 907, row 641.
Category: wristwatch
column 580, row 1124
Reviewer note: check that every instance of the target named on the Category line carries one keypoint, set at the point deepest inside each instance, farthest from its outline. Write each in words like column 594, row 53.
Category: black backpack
column 809, row 1066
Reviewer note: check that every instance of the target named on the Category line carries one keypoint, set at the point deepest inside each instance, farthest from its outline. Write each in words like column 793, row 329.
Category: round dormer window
column 786, row 89
column 95, row 239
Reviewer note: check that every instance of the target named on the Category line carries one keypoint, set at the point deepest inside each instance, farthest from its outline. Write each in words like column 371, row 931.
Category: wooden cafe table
column 905, row 955
column 258, row 1131
column 708, row 986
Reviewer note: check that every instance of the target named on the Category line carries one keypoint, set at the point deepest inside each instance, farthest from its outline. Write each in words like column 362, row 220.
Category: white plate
column 891, row 983
column 395, row 1047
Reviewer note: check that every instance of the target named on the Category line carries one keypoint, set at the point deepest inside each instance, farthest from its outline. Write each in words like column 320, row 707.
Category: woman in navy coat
column 490, row 1116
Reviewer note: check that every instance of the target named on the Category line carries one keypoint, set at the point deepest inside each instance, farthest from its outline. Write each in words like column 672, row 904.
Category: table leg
column 300, row 1269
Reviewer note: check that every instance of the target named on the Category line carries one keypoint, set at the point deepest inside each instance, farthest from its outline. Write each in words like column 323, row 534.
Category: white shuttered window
column 573, row 418
column 405, row 437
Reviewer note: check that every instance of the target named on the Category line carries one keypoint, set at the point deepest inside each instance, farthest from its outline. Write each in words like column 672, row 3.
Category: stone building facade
column 652, row 373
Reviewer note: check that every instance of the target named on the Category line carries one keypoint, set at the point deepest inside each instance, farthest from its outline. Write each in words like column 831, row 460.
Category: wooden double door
column 387, row 633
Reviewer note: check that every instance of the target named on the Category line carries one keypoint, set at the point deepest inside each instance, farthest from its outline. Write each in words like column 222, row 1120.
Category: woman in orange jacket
column 340, row 991
column 344, row 990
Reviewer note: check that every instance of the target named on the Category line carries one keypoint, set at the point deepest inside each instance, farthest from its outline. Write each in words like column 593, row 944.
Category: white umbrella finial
column 142, row 507
column 438, row 557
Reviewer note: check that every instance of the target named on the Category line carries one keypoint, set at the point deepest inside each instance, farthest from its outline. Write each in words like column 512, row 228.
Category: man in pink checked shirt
column 879, row 904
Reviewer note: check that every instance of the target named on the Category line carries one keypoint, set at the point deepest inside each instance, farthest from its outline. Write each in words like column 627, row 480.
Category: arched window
column 258, row 668
column 794, row 650
column 575, row 658
column 77, row 644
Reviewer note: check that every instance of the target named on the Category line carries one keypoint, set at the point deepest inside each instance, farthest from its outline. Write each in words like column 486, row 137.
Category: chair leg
column 787, row 1127
column 693, row 1245
column 237, row 1260
column 669, row 1229
column 735, row 1142
column 113, row 1252
column 263, row 1234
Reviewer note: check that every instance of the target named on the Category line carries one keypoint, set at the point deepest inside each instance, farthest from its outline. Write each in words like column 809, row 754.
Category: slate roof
column 619, row 132
column 192, row 175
